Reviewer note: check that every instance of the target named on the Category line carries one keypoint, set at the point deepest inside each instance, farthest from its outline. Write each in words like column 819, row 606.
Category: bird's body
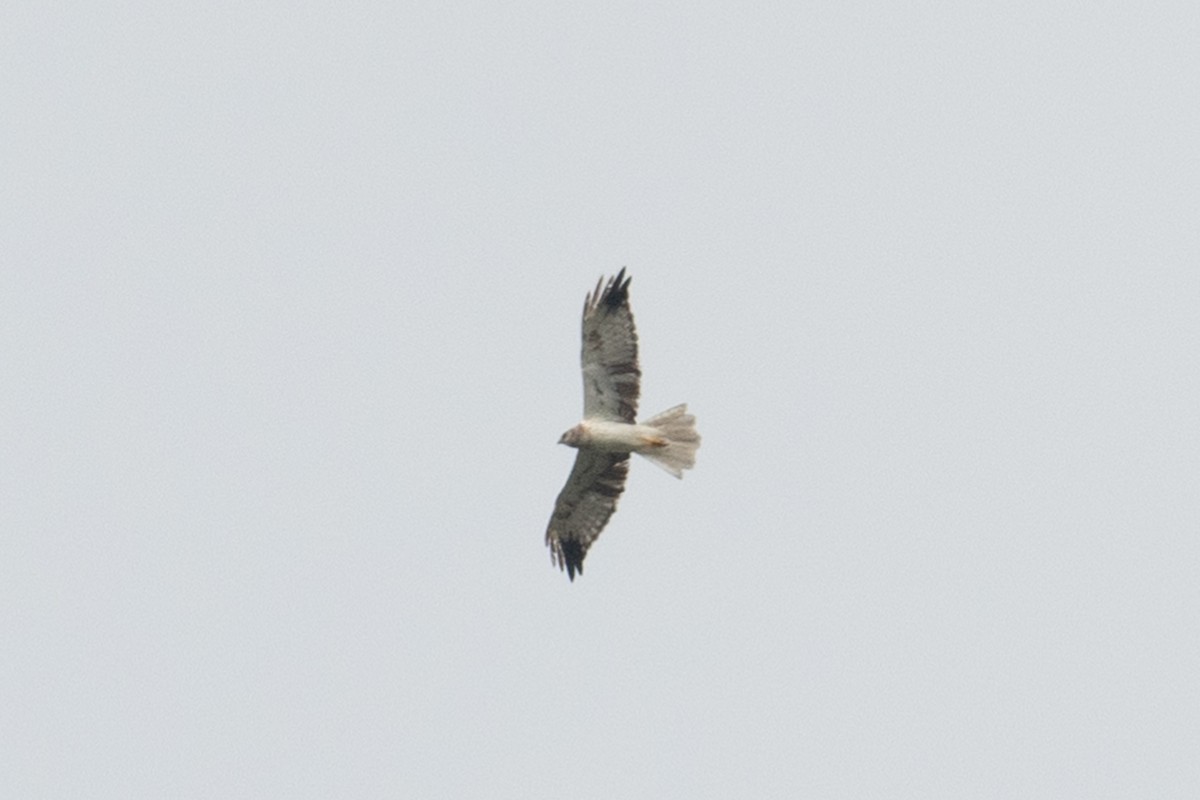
column 609, row 432
column 613, row 437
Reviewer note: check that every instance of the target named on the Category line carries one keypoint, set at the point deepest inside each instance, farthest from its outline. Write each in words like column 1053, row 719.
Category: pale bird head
column 572, row 437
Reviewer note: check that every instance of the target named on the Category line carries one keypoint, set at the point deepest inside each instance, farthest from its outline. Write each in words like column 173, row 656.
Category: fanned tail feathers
column 679, row 429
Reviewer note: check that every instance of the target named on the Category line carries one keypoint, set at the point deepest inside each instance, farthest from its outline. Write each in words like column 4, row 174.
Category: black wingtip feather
column 572, row 557
column 616, row 294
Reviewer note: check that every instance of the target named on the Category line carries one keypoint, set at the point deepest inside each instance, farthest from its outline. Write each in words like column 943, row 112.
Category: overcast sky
column 289, row 327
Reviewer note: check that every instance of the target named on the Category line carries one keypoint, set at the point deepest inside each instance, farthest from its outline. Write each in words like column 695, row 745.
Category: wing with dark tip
column 609, row 357
column 584, row 506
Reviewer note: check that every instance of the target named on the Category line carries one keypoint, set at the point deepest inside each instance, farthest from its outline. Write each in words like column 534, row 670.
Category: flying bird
column 609, row 431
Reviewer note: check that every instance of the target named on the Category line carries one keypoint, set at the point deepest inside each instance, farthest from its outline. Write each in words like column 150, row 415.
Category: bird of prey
column 609, row 431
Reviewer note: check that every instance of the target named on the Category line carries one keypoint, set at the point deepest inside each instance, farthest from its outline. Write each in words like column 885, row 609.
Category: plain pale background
column 289, row 301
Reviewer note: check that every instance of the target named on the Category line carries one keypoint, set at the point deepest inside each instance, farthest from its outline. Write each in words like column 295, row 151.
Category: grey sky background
column 289, row 303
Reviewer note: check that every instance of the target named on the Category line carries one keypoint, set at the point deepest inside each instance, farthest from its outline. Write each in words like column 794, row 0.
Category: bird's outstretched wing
column 584, row 506
column 609, row 357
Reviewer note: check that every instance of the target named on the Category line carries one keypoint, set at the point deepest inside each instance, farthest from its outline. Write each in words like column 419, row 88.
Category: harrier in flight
column 609, row 431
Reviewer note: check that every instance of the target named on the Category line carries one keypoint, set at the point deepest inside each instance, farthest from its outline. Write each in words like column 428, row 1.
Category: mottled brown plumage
column 609, row 431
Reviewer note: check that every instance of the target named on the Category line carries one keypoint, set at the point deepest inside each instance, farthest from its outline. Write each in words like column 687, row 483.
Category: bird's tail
column 679, row 429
